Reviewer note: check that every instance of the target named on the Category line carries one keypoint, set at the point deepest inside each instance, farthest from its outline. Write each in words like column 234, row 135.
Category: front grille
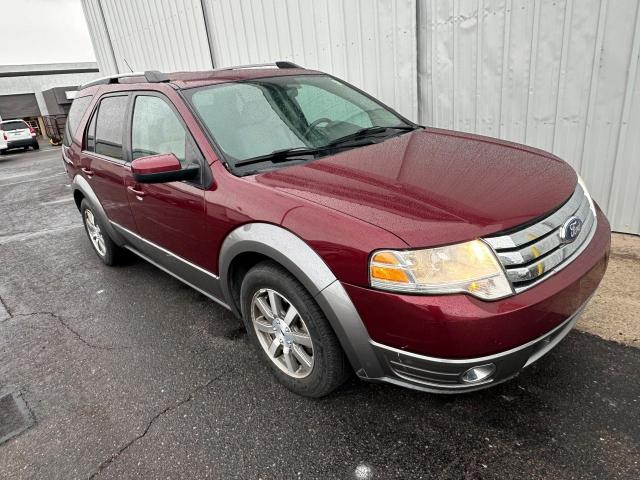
column 534, row 253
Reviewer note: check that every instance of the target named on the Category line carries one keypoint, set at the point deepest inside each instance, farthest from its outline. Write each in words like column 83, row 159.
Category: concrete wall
column 36, row 83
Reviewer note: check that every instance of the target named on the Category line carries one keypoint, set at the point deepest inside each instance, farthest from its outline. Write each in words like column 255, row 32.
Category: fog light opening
column 479, row 373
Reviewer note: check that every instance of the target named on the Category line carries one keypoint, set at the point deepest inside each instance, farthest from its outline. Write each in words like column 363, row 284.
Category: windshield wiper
column 287, row 154
column 365, row 132
column 282, row 155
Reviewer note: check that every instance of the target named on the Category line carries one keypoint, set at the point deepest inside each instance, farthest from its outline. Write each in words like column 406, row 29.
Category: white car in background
column 17, row 134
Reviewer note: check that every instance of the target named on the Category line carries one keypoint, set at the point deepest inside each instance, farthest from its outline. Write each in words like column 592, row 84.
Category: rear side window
column 17, row 125
column 104, row 135
column 76, row 112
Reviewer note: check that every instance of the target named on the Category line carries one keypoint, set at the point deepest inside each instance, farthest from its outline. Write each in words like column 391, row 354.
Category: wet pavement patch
column 15, row 416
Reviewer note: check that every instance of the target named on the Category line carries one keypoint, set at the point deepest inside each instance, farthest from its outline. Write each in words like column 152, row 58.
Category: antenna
column 127, row 64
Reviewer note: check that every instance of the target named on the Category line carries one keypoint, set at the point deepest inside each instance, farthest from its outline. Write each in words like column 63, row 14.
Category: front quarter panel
column 305, row 264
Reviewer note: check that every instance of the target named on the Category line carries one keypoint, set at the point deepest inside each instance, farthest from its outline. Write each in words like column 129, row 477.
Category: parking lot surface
column 130, row 374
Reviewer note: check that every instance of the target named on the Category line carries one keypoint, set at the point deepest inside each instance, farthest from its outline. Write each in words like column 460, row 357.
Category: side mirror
column 161, row 169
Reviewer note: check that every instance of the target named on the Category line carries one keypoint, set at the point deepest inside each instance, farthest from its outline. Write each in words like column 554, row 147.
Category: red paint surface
column 434, row 187
column 460, row 326
column 155, row 164
column 421, row 189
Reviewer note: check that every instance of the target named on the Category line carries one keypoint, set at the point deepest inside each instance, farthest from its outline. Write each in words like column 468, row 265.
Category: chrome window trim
column 106, row 158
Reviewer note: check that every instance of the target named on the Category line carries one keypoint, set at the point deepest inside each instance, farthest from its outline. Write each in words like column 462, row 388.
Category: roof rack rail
column 151, row 76
column 279, row 64
column 110, row 79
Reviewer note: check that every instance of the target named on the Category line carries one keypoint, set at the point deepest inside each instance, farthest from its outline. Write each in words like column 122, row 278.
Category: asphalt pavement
column 127, row 373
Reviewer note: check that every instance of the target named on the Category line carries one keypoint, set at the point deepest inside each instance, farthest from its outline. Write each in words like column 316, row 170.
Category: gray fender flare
column 81, row 184
column 306, row 265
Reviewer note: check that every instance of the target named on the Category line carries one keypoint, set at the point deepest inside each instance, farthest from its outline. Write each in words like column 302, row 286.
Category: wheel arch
column 83, row 191
column 251, row 243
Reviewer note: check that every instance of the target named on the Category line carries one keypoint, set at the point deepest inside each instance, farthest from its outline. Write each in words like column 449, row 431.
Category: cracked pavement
column 131, row 374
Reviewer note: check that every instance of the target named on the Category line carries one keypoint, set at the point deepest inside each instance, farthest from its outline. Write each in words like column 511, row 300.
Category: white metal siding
column 561, row 75
column 370, row 43
column 167, row 35
column 99, row 37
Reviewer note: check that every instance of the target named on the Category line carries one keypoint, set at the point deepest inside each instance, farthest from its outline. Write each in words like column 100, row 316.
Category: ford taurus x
column 346, row 237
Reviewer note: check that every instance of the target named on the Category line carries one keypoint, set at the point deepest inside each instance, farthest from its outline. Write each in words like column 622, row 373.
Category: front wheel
column 290, row 332
column 102, row 244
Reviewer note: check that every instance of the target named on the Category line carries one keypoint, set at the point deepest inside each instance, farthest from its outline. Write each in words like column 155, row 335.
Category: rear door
column 103, row 162
column 169, row 215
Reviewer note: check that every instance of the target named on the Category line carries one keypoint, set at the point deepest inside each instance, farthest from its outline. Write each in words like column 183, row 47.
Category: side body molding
column 80, row 183
column 306, row 265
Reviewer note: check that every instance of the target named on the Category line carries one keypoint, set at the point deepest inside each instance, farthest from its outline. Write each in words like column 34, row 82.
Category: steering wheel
column 315, row 123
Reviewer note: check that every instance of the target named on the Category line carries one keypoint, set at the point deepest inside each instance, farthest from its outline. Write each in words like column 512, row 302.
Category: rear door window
column 76, row 112
column 106, row 128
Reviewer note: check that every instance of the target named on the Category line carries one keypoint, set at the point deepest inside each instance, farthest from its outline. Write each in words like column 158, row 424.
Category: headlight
column 469, row 267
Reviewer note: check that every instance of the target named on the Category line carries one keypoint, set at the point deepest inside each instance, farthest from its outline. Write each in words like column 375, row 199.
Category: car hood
column 433, row 187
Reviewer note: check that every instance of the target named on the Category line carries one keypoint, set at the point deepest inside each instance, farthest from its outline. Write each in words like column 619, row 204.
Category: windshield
column 15, row 125
column 256, row 118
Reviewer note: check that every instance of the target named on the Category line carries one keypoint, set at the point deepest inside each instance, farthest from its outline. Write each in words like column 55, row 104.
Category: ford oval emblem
column 570, row 229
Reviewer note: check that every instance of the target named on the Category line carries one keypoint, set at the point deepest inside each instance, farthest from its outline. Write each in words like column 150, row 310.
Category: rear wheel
column 102, row 244
column 290, row 332
column 36, row 146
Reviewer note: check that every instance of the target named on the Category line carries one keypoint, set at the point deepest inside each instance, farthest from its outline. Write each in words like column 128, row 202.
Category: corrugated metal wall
column 164, row 35
column 371, row 43
column 561, row 75
column 557, row 74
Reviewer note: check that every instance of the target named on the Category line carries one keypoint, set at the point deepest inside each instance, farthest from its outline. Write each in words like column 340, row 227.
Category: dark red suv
column 344, row 235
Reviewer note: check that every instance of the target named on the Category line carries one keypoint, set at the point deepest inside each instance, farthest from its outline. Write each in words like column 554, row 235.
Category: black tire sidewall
column 329, row 363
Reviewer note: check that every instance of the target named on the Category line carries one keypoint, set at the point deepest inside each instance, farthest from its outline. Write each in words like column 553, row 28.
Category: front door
column 169, row 215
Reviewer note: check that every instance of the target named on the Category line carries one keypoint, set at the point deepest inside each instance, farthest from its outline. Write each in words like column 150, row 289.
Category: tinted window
column 78, row 107
column 17, row 125
column 109, row 127
column 156, row 129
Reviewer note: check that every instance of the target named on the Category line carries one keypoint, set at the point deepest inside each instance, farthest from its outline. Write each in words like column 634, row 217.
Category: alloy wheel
column 95, row 234
column 282, row 333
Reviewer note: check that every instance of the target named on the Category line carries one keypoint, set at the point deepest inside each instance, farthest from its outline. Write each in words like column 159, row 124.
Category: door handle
column 138, row 193
column 87, row 171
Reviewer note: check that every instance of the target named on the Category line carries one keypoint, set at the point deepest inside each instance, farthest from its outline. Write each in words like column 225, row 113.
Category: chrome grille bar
column 530, row 255
column 543, row 246
column 539, row 229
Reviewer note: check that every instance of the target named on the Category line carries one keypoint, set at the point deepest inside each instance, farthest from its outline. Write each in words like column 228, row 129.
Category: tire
column 36, row 146
column 102, row 244
column 308, row 331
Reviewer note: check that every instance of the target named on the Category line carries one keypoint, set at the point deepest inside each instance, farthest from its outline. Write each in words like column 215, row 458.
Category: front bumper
column 428, row 342
column 446, row 375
